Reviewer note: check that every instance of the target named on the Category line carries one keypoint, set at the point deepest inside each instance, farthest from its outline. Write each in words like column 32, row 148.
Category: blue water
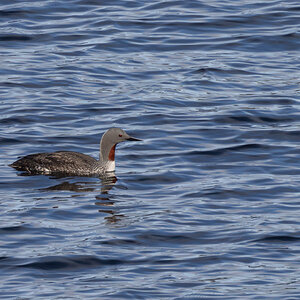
column 207, row 206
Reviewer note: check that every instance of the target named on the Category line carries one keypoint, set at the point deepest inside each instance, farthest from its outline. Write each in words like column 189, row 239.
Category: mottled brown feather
column 60, row 162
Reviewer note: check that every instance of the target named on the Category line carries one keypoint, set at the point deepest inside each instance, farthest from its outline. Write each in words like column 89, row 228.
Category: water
column 207, row 206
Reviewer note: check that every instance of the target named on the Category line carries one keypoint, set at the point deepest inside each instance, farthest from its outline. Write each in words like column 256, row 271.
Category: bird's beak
column 133, row 139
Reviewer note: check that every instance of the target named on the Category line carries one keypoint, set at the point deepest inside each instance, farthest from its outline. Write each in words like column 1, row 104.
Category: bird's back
column 66, row 162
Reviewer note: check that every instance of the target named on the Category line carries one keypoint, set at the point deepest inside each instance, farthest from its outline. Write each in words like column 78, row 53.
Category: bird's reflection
column 68, row 186
column 107, row 184
column 103, row 200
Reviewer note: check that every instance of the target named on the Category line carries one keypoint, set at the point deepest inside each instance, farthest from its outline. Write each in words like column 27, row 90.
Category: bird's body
column 75, row 163
column 57, row 162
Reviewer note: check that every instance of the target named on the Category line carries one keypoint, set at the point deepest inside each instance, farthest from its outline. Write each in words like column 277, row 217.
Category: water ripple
column 206, row 204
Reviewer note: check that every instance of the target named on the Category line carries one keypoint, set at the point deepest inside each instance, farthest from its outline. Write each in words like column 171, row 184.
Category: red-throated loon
column 75, row 163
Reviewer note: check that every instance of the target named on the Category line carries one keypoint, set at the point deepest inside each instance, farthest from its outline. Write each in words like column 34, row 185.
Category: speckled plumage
column 75, row 163
column 60, row 162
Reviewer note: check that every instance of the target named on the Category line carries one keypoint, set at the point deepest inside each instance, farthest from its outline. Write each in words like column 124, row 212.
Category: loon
column 75, row 163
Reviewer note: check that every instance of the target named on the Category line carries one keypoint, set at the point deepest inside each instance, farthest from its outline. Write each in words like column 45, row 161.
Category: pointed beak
column 133, row 139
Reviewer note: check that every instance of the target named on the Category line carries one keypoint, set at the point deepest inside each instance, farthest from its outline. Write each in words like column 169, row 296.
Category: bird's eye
column 120, row 135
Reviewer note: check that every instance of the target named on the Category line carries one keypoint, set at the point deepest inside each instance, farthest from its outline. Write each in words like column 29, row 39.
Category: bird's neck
column 107, row 151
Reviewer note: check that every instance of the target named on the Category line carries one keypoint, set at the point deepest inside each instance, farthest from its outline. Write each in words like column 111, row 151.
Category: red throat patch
column 111, row 155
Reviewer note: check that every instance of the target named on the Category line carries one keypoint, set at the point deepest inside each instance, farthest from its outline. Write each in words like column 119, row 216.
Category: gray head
column 110, row 139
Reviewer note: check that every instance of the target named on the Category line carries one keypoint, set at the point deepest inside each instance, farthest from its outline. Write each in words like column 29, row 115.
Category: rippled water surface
column 207, row 206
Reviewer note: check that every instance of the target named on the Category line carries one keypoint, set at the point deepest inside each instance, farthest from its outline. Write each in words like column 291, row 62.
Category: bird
column 75, row 163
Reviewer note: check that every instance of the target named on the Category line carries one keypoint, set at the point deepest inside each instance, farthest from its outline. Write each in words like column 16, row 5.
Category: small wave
column 53, row 263
column 279, row 239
